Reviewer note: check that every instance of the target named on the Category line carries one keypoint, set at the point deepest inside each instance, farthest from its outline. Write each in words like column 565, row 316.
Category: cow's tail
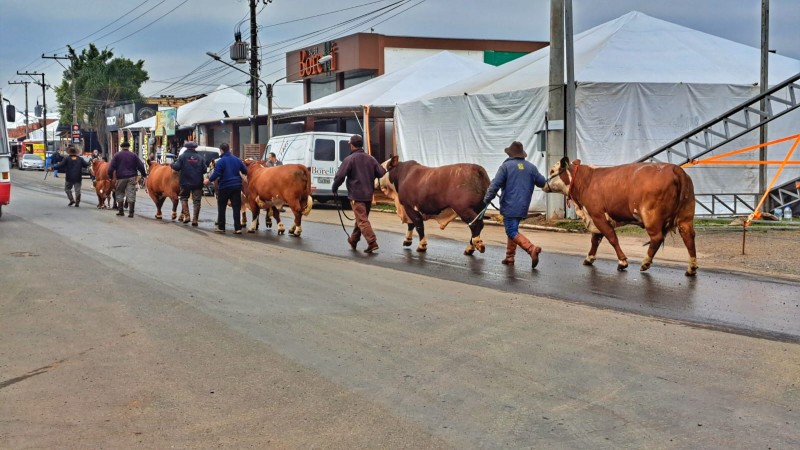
column 685, row 202
column 309, row 200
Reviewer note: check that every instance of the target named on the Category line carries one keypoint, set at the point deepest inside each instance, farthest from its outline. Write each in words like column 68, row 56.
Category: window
column 325, row 150
column 344, row 150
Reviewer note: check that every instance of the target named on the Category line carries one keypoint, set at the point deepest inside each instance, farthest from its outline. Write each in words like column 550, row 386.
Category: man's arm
column 379, row 170
column 338, row 179
column 112, row 167
column 538, row 179
column 217, row 170
column 178, row 164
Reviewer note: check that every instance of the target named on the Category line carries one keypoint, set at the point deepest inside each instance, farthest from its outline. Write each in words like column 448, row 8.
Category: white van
column 322, row 151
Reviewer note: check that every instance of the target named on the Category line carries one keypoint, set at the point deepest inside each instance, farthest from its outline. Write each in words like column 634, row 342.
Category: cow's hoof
column 481, row 248
column 469, row 252
column 158, row 216
column 644, row 267
column 422, row 249
column 281, row 232
column 621, row 267
column 407, row 243
column 691, row 273
column 588, row 262
column 250, row 230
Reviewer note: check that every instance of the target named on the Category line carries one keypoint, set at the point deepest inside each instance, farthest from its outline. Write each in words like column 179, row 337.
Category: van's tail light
column 5, row 176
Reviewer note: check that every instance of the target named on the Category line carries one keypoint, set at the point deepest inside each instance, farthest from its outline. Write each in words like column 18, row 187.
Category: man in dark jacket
column 192, row 167
column 55, row 158
column 361, row 170
column 229, row 170
column 126, row 164
column 71, row 166
column 516, row 177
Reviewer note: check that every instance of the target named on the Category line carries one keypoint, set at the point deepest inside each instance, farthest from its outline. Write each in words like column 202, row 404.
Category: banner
column 165, row 122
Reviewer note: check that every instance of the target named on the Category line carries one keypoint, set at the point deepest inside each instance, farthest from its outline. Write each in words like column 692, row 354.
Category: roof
column 209, row 108
column 385, row 91
column 636, row 48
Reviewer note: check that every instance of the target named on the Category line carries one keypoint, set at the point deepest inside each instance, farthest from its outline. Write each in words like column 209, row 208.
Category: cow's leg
column 592, row 256
column 276, row 214
column 159, row 204
column 254, row 213
column 268, row 218
column 475, row 243
column 419, row 224
column 656, row 239
column 686, row 229
column 608, row 231
column 296, row 227
column 409, row 236
column 174, row 213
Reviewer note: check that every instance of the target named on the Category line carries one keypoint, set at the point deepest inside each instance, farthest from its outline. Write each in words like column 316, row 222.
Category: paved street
column 121, row 333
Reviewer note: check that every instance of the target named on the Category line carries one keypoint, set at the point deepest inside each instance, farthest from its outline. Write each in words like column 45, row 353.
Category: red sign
column 309, row 61
column 76, row 134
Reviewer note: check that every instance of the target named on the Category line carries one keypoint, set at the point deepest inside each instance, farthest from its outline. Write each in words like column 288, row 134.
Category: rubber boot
column 71, row 199
column 185, row 211
column 511, row 252
column 196, row 215
column 130, row 208
column 529, row 248
column 120, row 211
column 78, row 199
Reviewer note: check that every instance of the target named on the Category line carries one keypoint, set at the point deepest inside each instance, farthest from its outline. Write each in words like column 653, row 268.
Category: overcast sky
column 172, row 36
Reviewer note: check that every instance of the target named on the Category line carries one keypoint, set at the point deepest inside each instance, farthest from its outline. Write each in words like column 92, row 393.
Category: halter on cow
column 442, row 193
column 657, row 197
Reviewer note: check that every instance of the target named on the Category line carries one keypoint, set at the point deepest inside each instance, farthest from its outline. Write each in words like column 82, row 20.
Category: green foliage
column 101, row 81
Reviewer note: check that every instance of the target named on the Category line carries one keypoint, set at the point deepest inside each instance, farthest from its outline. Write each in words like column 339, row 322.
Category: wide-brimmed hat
column 515, row 150
column 357, row 141
column 72, row 150
column 190, row 144
column 125, row 144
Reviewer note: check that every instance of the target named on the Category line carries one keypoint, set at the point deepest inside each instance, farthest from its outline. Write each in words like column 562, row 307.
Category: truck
column 322, row 151
column 5, row 155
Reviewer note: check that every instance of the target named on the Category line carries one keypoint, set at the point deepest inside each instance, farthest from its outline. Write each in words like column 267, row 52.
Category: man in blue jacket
column 192, row 167
column 229, row 169
column 516, row 177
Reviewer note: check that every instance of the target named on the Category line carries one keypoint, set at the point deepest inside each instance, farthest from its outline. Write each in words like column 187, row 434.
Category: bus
column 5, row 155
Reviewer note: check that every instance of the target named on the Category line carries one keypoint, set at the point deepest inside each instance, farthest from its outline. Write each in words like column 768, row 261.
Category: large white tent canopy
column 209, row 108
column 641, row 82
column 384, row 92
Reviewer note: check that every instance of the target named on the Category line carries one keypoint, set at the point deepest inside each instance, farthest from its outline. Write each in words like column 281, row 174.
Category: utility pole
column 26, row 83
column 764, row 85
column 555, row 110
column 44, row 102
column 253, row 73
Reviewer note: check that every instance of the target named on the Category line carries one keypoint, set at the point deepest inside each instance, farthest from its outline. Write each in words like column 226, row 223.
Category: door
column 324, row 166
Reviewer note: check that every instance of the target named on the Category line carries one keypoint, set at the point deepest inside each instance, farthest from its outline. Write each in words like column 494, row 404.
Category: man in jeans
column 192, row 167
column 72, row 165
column 126, row 164
column 229, row 170
column 516, row 177
column 360, row 170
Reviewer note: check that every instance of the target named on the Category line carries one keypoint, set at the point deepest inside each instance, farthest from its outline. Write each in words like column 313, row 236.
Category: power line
column 146, row 26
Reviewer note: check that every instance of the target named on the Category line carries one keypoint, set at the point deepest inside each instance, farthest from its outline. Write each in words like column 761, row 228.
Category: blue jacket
column 516, row 177
column 227, row 169
column 192, row 167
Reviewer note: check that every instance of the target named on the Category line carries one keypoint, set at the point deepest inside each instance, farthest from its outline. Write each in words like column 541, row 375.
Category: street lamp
column 215, row 56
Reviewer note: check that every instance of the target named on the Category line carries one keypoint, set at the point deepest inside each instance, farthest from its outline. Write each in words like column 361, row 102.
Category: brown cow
column 103, row 186
column 162, row 183
column 442, row 193
column 657, row 197
column 273, row 187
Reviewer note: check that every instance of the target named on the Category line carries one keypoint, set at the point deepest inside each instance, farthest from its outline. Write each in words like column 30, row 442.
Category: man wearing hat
column 126, row 164
column 361, row 170
column 192, row 167
column 71, row 166
column 516, row 177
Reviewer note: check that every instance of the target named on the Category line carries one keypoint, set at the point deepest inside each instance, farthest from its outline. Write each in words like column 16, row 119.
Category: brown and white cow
column 163, row 183
column 442, row 193
column 274, row 187
column 657, row 197
column 103, row 186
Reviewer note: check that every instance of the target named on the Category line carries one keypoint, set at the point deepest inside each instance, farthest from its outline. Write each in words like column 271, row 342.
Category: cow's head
column 559, row 178
column 384, row 183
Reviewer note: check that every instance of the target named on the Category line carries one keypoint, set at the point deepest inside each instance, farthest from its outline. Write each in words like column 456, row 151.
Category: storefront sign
column 124, row 115
column 309, row 59
column 165, row 122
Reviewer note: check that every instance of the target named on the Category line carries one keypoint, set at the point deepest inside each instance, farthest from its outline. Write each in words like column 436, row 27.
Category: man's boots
column 185, row 211
column 130, row 208
column 529, row 248
column 196, row 215
column 78, row 199
column 71, row 199
column 120, row 210
column 511, row 252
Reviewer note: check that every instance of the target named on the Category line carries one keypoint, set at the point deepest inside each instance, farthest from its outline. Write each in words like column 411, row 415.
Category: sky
column 173, row 36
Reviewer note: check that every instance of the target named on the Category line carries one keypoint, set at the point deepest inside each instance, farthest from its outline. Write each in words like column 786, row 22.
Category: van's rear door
column 324, row 166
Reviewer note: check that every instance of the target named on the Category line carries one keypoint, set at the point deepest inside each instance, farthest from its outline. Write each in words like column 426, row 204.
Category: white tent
column 209, row 108
column 384, row 92
column 641, row 82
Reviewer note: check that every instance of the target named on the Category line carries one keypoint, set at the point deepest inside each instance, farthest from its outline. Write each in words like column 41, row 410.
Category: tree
column 101, row 81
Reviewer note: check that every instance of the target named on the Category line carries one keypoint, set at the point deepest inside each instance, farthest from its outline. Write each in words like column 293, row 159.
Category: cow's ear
column 576, row 162
column 392, row 162
column 564, row 162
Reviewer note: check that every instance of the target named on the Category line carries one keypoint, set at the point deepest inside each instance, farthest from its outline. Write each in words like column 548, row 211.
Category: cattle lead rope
column 339, row 211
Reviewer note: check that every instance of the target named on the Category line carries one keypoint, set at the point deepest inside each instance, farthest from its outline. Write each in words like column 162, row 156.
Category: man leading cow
column 126, row 164
column 192, row 167
column 360, row 170
column 516, row 177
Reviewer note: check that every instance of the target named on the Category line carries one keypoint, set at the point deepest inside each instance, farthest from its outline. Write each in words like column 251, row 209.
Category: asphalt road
column 121, row 332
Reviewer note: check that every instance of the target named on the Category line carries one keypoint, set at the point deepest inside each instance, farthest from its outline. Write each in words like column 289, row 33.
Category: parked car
column 85, row 171
column 210, row 154
column 31, row 161
column 170, row 157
